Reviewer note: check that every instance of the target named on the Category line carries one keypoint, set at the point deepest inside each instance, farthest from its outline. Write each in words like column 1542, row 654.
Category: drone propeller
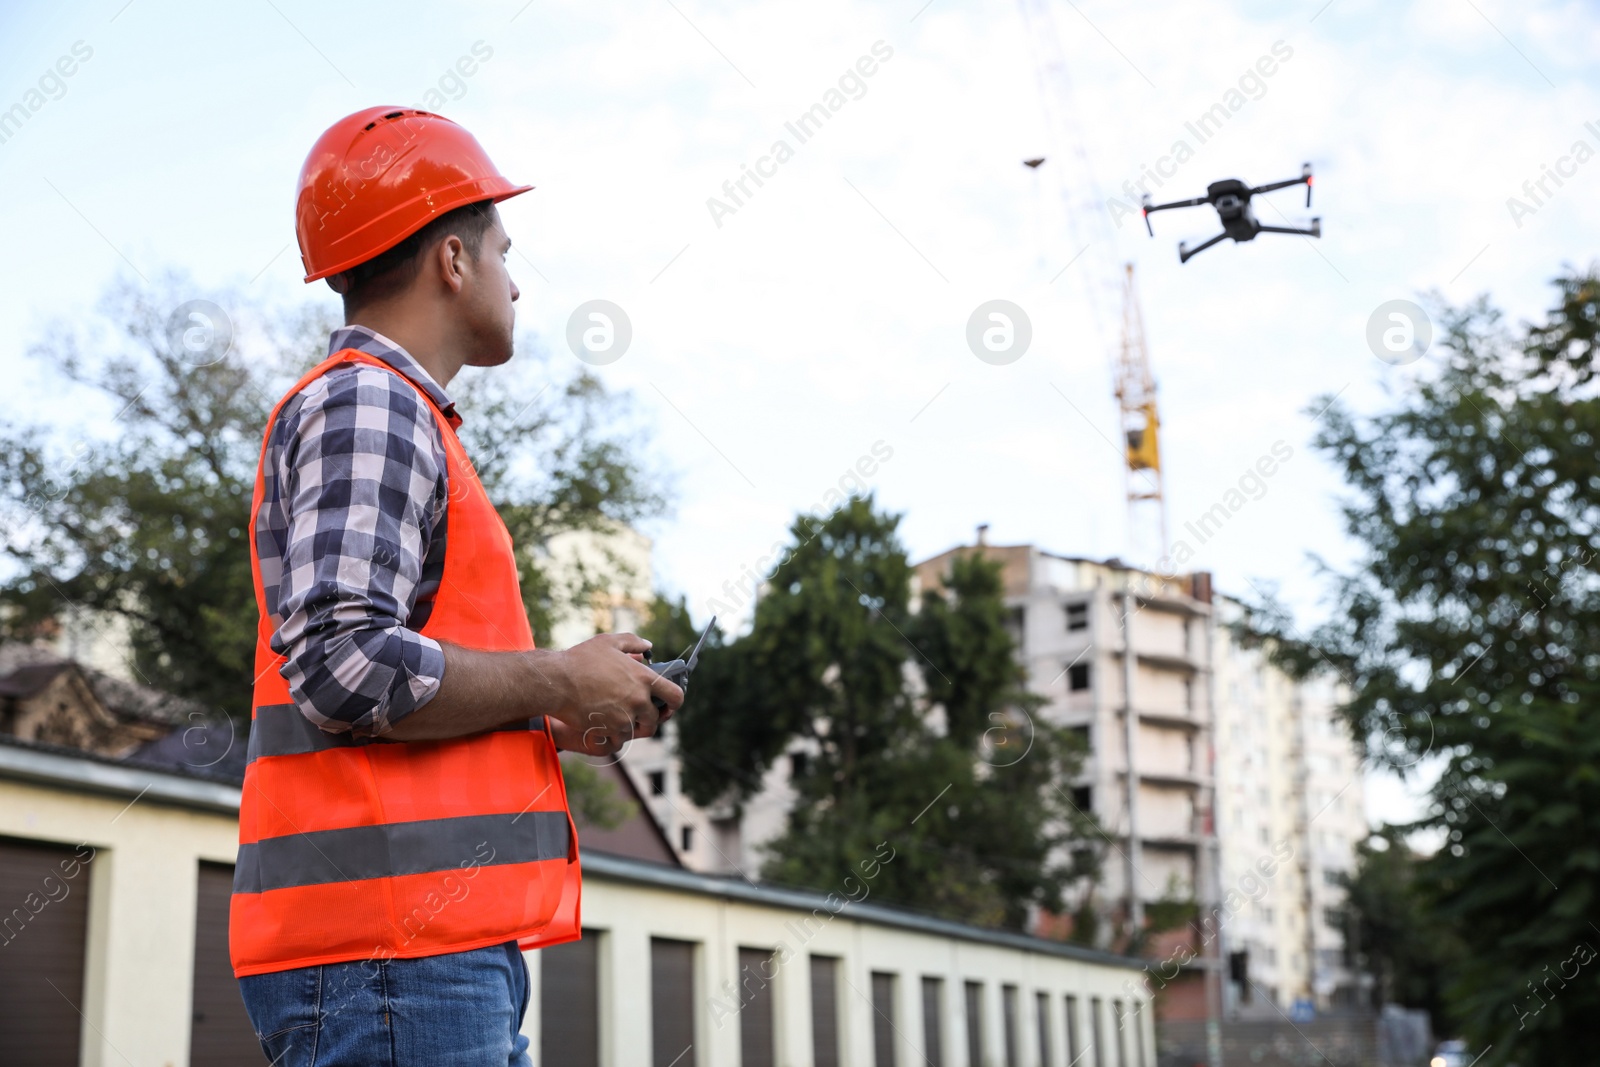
column 1305, row 172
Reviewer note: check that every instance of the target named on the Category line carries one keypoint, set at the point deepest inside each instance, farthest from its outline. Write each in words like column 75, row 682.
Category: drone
column 1231, row 198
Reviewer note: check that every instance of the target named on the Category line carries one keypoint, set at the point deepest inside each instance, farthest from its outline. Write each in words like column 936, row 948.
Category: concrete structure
column 1289, row 786
column 602, row 582
column 1239, row 769
column 156, row 845
column 1074, row 620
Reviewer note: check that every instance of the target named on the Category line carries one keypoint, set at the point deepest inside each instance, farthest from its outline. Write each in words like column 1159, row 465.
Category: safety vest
column 368, row 849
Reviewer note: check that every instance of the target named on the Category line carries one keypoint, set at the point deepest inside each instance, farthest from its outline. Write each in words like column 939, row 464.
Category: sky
column 822, row 317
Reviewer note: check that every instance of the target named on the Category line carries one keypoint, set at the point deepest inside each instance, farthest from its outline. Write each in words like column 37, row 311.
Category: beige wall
column 142, row 889
column 628, row 915
column 137, row 1002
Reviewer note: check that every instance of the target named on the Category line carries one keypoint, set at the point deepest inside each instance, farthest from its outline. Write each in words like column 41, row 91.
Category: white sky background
column 830, row 309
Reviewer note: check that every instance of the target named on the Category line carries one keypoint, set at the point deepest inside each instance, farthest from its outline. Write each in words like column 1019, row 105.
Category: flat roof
column 79, row 772
column 627, row 869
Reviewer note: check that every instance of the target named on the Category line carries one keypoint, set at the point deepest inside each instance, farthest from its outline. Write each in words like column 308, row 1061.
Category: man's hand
column 611, row 695
column 599, row 692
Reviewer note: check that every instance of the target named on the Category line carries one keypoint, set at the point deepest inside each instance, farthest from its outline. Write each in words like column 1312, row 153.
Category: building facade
column 114, row 884
column 1246, row 803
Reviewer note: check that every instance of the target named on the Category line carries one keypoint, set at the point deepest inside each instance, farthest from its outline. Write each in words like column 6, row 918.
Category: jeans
column 461, row 1009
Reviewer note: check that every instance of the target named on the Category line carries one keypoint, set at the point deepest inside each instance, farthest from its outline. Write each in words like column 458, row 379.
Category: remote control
column 677, row 671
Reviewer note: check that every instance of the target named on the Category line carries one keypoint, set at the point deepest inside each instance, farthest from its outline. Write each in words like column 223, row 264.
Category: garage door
column 672, row 1002
column 220, row 1035
column 44, row 894
column 569, row 1003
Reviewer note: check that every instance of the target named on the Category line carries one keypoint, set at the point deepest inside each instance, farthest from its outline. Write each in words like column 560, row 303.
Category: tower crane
column 1092, row 235
column 1135, row 388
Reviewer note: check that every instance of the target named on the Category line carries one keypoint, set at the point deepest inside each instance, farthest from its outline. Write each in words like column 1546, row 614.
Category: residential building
column 1247, row 801
column 601, row 579
column 53, row 699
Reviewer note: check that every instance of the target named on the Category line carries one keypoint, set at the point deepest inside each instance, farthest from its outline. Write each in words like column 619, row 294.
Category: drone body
column 1231, row 198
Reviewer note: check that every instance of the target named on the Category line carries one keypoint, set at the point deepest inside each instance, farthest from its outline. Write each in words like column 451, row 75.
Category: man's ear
column 450, row 258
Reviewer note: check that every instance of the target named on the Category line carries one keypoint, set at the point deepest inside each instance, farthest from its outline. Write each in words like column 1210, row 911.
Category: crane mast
column 1135, row 387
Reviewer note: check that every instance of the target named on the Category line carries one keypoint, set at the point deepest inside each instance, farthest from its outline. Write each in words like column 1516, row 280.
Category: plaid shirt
column 351, row 537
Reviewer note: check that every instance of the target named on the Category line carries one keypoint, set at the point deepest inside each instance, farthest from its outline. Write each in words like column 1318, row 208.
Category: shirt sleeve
column 364, row 490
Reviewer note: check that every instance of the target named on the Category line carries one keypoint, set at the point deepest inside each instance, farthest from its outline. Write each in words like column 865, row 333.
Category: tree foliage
column 142, row 514
column 901, row 727
column 1393, row 921
column 1470, row 633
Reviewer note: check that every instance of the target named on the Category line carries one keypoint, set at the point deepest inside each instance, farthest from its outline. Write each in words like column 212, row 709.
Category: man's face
column 487, row 300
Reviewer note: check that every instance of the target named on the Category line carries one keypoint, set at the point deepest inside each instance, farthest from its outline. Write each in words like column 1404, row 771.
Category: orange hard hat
column 380, row 175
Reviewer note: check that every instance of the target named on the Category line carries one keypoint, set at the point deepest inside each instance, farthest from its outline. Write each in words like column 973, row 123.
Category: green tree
column 1469, row 632
column 1404, row 941
column 143, row 515
column 907, row 730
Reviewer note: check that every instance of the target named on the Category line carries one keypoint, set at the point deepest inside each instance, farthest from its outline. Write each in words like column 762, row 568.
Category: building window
column 824, row 1011
column 1083, row 798
column 672, row 1002
column 883, row 1026
column 686, row 836
column 1016, row 625
column 974, row 992
column 658, row 783
column 569, row 1002
column 1077, row 617
column 1008, row 1022
column 1095, row 1037
column 1073, row 1049
column 933, row 1022
column 1334, row 918
column 756, row 972
column 1333, row 879
column 1042, row 1011
column 1078, row 677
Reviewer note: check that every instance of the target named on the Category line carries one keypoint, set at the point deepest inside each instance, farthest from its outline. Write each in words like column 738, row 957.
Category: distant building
column 1068, row 619
column 603, row 582
column 1248, row 805
column 1289, row 784
column 1248, row 797
column 49, row 698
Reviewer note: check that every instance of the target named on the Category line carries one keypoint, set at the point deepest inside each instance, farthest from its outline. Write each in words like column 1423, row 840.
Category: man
column 404, row 832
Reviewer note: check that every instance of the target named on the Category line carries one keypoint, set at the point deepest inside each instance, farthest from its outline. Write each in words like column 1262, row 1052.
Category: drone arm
column 1196, row 202
column 1314, row 231
column 1270, row 186
column 1146, row 207
column 1304, row 179
column 1185, row 253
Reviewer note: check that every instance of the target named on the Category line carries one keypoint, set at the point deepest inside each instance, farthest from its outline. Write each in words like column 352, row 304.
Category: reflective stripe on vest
column 363, row 848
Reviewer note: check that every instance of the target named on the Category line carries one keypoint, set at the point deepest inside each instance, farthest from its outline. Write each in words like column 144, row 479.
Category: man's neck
column 431, row 351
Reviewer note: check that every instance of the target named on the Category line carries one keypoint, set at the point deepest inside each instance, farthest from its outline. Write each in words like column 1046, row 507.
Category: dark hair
column 390, row 271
